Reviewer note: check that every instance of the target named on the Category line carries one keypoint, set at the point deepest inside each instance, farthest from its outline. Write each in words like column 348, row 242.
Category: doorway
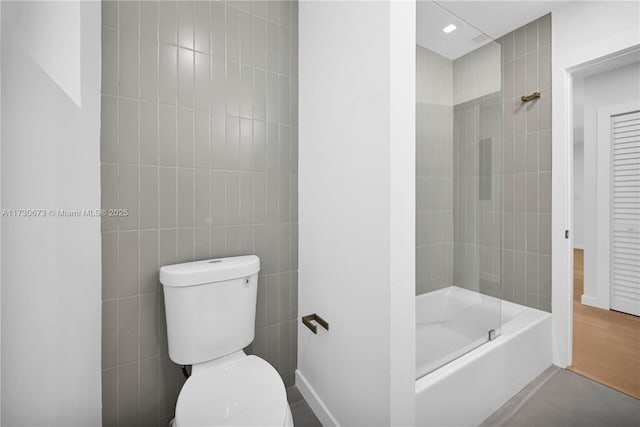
column 606, row 222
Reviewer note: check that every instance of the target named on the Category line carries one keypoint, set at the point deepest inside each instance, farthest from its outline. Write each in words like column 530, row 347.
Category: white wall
column 402, row 203
column 606, row 89
column 578, row 162
column 357, row 211
column 50, row 266
column 581, row 32
column 578, row 196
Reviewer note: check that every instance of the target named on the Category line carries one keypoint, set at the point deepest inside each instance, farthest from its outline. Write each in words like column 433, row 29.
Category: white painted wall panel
column 50, row 266
column 357, row 183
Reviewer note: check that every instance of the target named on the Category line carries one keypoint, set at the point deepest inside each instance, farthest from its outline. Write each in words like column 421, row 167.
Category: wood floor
column 606, row 343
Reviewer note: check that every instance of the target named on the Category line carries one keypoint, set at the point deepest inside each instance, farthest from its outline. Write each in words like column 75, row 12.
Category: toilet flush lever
column 314, row 328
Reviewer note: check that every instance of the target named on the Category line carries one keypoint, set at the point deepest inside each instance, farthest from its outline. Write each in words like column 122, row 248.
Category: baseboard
column 592, row 301
column 317, row 405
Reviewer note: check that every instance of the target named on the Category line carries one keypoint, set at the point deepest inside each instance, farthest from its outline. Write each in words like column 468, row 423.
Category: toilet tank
column 210, row 307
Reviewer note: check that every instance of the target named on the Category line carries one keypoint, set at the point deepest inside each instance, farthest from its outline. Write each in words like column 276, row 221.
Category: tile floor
column 556, row 398
column 561, row 398
column 303, row 416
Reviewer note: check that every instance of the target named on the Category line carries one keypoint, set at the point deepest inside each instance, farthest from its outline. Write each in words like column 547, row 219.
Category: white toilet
column 211, row 310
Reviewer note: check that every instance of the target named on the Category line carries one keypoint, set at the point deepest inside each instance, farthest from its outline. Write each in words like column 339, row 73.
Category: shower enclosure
column 458, row 185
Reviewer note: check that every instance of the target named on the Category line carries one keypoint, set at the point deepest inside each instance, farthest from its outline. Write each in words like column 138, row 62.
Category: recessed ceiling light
column 449, row 28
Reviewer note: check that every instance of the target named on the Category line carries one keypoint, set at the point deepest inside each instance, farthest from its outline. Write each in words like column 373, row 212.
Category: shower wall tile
column 167, row 135
column 527, row 127
column 501, row 239
column 185, row 137
column 127, row 330
column 109, row 132
column 434, row 78
column 544, row 65
column 185, row 24
column 109, row 265
column 109, row 14
column 185, row 77
column 199, row 145
column 148, row 341
column 128, row 388
column 532, row 233
column 477, row 73
column 109, row 59
column 110, row 397
column 128, row 57
column 128, row 16
column 519, row 276
column 544, row 237
column 149, row 19
column 167, row 72
column 167, row 21
column 544, row 31
column 149, row 133
column 434, row 183
column 202, row 76
column 544, row 150
column 127, row 131
column 476, row 154
column 109, row 335
column 531, row 34
column 148, row 268
column 148, row 388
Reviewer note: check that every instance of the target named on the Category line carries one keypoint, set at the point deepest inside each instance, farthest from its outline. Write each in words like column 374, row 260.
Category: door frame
column 563, row 68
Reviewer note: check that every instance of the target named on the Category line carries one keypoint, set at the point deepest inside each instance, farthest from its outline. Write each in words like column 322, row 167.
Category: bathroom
column 303, row 134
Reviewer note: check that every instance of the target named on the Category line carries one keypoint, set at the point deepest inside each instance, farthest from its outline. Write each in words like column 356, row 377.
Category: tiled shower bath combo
column 483, row 221
column 484, row 168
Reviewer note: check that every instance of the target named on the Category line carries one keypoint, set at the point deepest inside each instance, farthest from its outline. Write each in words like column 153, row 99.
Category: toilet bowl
column 239, row 390
column 210, row 307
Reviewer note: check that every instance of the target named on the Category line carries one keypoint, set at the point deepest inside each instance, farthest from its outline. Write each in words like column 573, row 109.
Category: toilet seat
column 246, row 391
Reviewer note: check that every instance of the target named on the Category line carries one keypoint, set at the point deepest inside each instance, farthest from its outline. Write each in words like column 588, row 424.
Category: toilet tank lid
column 209, row 271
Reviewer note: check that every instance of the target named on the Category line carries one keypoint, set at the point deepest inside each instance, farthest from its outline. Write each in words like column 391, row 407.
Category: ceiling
column 473, row 19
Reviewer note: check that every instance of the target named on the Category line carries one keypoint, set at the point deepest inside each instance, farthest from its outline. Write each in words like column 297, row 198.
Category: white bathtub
column 451, row 323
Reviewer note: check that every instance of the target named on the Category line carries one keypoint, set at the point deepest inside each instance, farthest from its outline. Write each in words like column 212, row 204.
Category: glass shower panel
column 477, row 180
column 458, row 187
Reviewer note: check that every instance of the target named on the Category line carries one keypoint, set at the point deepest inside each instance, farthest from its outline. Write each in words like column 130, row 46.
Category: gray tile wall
column 434, row 171
column 477, row 73
column 501, row 246
column 477, row 154
column 526, row 234
column 199, row 144
column 434, row 197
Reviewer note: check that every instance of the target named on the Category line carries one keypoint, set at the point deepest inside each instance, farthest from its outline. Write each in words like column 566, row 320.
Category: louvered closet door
column 625, row 212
